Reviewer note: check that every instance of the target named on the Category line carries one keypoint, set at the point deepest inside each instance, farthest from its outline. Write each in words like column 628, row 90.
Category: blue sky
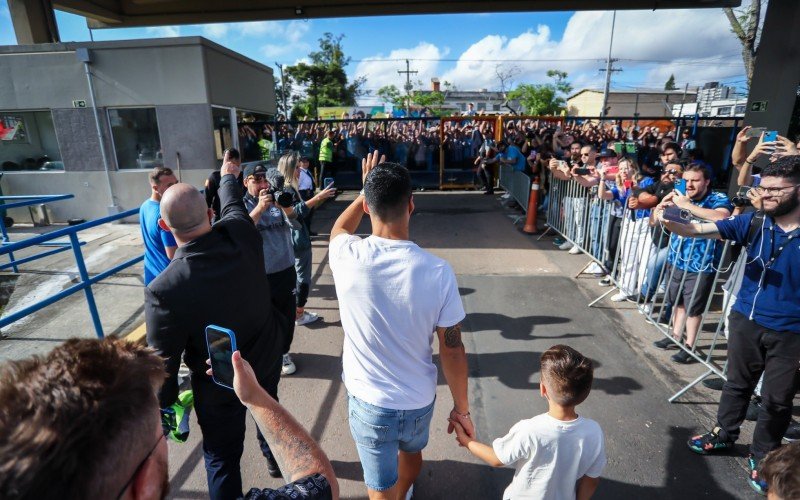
column 469, row 50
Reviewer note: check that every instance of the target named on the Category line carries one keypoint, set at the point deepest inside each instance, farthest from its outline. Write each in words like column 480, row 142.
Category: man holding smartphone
column 217, row 277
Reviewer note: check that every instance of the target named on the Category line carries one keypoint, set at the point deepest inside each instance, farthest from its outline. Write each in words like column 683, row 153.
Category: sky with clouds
column 468, row 50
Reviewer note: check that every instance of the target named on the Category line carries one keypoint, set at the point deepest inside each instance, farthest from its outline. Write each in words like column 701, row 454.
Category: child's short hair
column 781, row 470
column 567, row 375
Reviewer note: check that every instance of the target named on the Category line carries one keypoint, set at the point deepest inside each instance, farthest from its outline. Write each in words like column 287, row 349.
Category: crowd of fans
column 85, row 418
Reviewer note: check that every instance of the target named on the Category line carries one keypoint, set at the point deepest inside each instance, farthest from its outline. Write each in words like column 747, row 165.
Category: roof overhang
column 132, row 13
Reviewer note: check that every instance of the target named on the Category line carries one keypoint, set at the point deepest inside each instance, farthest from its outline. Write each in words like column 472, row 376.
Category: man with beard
column 764, row 332
column 83, row 422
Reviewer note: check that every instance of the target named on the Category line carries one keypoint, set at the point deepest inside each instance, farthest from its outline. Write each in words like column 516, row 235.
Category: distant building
column 456, row 102
column 157, row 100
column 645, row 103
column 710, row 92
column 721, row 108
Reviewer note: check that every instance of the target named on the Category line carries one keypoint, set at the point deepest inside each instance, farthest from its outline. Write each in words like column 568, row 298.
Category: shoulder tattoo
column 452, row 336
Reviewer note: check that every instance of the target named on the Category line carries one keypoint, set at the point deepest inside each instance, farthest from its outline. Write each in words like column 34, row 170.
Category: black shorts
column 678, row 295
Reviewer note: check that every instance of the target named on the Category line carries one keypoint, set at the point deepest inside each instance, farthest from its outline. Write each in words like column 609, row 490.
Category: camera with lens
column 276, row 185
column 740, row 199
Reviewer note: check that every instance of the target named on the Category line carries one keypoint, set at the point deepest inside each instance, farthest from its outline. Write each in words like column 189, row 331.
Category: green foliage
column 670, row 85
column 391, row 94
column 428, row 99
column 543, row 99
column 325, row 79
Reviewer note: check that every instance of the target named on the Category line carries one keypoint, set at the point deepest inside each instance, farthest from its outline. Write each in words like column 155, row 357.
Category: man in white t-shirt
column 392, row 297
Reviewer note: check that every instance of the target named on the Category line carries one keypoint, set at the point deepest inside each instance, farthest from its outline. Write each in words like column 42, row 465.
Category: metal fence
column 86, row 281
column 685, row 300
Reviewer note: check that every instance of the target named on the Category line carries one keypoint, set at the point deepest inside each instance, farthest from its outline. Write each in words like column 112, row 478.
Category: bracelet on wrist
column 749, row 161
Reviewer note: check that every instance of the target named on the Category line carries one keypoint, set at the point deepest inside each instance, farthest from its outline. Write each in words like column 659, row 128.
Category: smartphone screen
column 755, row 131
column 329, row 185
column 680, row 186
column 771, row 136
column 221, row 344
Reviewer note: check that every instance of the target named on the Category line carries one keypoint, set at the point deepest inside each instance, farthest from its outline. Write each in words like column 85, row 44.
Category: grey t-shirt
column 276, row 236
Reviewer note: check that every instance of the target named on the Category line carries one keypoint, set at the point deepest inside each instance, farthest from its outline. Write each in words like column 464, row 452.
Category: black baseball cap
column 607, row 153
column 254, row 169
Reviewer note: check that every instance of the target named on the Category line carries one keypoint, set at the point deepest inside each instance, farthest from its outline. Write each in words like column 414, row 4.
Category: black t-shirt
column 314, row 487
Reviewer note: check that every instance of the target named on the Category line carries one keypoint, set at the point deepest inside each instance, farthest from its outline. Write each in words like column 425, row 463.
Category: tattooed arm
column 454, row 365
column 297, row 453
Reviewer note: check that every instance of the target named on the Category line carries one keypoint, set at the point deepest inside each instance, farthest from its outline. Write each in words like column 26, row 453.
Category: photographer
column 273, row 224
column 765, row 321
column 288, row 166
column 693, row 260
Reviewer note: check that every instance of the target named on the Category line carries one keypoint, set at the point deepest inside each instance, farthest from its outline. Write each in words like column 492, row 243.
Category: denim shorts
column 380, row 433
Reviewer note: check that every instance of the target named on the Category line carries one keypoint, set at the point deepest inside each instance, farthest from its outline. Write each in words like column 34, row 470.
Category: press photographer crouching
column 267, row 204
column 764, row 332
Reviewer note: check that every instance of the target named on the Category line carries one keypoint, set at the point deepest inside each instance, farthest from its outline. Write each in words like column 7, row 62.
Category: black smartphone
column 221, row 344
column 582, row 171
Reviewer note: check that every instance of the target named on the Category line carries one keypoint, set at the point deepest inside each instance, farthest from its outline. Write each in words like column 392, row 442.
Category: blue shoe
column 755, row 481
column 709, row 442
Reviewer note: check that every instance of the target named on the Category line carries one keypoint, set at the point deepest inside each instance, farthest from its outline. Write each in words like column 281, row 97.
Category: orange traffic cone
column 533, row 206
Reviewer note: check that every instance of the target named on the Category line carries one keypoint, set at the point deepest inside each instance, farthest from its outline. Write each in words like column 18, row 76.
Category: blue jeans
column 380, row 433
column 653, row 274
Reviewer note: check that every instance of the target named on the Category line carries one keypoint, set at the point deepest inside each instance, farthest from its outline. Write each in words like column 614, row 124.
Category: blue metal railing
column 86, row 281
column 24, row 201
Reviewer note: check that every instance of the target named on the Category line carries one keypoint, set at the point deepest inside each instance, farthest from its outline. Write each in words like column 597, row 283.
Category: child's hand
column 461, row 434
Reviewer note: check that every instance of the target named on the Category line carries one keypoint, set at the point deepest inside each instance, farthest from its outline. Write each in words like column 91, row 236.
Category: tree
column 745, row 24
column 391, row 94
column 505, row 75
column 543, row 99
column 324, row 79
column 670, row 85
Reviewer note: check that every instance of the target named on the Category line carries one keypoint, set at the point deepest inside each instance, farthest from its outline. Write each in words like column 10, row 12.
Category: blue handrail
column 27, row 200
column 86, row 281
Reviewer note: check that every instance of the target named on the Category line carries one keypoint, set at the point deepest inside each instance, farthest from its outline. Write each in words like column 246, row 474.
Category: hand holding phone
column 678, row 215
column 221, row 343
column 680, row 186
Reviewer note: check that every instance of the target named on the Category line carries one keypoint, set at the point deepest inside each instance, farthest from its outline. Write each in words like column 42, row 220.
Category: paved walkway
column 520, row 298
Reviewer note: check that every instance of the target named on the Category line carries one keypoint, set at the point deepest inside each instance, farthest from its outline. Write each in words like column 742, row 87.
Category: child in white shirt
column 558, row 454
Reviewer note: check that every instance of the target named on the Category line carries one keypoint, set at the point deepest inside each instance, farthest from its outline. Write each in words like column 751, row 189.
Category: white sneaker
column 288, row 366
column 306, row 318
column 575, row 250
column 646, row 309
column 606, row 281
column 594, row 268
column 410, row 493
column 619, row 297
column 504, row 196
column 565, row 246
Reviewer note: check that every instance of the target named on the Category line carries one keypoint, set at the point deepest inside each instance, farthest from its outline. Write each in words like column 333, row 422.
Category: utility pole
column 609, row 68
column 283, row 91
column 408, row 86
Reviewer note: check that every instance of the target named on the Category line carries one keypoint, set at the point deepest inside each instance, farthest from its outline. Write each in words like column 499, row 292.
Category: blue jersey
column 513, row 153
column 771, row 296
column 155, row 240
column 698, row 255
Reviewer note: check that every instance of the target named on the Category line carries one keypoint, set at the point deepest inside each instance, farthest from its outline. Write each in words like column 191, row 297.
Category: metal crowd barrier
column 644, row 260
column 86, row 281
column 517, row 184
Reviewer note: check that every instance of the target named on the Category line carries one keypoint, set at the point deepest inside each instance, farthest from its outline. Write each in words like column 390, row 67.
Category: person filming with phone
column 217, row 276
column 118, row 449
column 764, row 324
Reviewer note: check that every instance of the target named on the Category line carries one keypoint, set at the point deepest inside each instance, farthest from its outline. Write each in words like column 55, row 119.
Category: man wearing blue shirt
column 692, row 259
column 159, row 245
column 511, row 155
column 765, row 321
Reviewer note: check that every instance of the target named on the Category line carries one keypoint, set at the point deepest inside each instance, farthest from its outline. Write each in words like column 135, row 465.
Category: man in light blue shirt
column 159, row 245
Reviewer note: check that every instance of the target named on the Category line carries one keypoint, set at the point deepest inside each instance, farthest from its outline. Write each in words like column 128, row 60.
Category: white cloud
column 217, row 30
column 273, row 50
column 384, row 72
column 694, row 45
column 164, row 31
column 257, row 28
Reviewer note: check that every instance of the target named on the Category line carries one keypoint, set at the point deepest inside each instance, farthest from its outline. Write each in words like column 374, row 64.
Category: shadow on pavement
column 514, row 328
column 688, row 475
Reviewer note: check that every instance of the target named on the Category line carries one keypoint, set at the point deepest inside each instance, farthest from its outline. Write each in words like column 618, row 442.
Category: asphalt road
column 520, row 300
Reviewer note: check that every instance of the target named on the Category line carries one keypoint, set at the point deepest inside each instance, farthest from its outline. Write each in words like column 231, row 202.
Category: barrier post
column 531, row 226
column 76, row 248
